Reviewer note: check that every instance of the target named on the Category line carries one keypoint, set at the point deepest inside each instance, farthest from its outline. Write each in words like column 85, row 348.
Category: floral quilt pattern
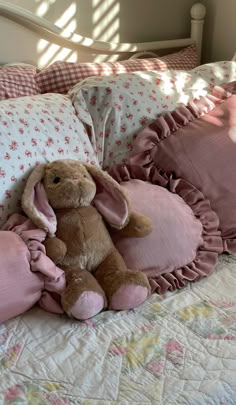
column 176, row 349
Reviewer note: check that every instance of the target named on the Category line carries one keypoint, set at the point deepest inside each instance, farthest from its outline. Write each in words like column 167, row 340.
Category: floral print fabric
column 116, row 108
column 35, row 130
column 179, row 348
column 97, row 122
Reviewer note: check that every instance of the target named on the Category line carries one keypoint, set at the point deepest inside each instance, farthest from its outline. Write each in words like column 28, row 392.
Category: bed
column 179, row 346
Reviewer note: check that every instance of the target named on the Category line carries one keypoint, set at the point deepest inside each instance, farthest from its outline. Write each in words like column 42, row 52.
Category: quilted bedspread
column 176, row 349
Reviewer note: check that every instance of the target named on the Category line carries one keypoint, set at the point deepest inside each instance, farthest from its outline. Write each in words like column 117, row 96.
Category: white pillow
column 34, row 130
column 118, row 107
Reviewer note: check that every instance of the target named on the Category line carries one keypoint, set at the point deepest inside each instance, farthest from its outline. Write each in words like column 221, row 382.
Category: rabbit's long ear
column 35, row 203
column 110, row 200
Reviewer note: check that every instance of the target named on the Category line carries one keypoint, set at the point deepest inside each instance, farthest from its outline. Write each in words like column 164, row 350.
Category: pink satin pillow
column 198, row 146
column 27, row 275
column 185, row 240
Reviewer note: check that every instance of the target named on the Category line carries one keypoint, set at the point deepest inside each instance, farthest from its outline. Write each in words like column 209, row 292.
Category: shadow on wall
column 112, row 21
column 209, row 28
column 48, row 53
column 102, row 20
column 220, row 30
column 105, row 20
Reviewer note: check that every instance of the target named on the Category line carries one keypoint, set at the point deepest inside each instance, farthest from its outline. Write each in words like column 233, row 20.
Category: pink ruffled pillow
column 198, row 143
column 185, row 241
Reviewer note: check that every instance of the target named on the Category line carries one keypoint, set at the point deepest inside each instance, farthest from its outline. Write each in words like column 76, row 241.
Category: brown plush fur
column 83, row 243
column 138, row 226
column 78, row 280
column 112, row 274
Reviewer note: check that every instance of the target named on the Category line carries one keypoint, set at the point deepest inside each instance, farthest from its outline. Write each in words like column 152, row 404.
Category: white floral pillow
column 116, row 108
column 34, row 130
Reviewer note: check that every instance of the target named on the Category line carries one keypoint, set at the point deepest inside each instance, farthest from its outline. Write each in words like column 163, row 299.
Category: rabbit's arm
column 139, row 225
column 55, row 249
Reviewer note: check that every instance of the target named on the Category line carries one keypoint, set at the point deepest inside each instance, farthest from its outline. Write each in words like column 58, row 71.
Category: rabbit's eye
column 56, row 180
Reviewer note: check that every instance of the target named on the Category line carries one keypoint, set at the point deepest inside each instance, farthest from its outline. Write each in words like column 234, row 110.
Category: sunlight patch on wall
column 106, row 23
column 43, row 7
column 67, row 16
column 105, row 18
column 49, row 53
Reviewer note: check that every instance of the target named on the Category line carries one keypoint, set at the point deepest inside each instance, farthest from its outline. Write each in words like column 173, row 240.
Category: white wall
column 220, row 30
column 139, row 20
column 108, row 20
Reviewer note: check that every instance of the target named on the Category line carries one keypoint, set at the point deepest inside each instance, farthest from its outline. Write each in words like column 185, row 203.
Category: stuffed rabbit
column 71, row 200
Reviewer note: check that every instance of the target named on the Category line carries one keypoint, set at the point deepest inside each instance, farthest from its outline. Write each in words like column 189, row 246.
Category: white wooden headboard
column 26, row 33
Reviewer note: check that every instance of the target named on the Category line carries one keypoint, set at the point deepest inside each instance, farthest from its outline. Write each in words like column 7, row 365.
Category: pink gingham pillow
column 62, row 76
column 17, row 81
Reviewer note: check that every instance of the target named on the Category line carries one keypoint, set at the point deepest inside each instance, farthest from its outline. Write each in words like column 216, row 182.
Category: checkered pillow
column 17, row 81
column 62, row 76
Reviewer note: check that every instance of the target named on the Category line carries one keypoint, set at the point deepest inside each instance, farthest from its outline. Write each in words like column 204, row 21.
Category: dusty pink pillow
column 200, row 147
column 185, row 240
column 27, row 275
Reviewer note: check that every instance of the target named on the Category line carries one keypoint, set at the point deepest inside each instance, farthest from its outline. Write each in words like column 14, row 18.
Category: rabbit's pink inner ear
column 43, row 210
column 113, row 206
